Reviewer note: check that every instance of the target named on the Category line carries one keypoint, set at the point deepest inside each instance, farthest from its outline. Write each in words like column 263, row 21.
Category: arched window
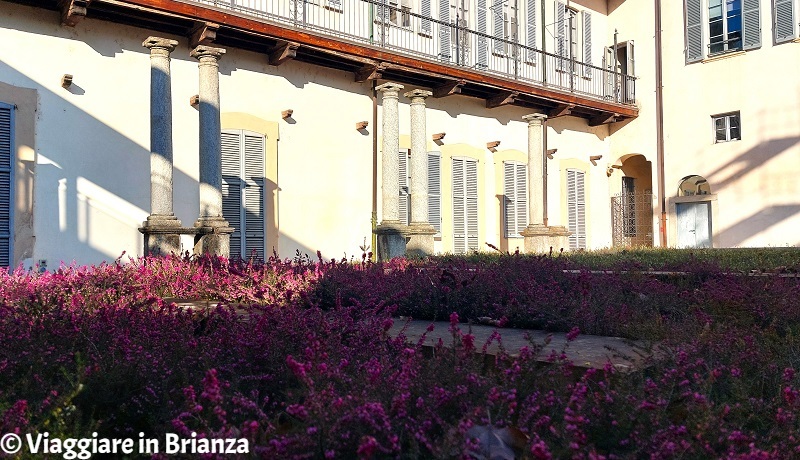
column 694, row 185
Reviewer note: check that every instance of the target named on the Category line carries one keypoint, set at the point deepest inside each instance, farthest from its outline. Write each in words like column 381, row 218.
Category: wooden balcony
column 374, row 40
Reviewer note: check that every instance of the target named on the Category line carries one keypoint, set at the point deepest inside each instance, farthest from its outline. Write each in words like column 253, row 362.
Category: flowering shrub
column 301, row 365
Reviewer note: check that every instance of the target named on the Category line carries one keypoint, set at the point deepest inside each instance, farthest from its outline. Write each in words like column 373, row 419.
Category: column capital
column 535, row 118
column 389, row 87
column 418, row 95
column 158, row 43
column 203, row 52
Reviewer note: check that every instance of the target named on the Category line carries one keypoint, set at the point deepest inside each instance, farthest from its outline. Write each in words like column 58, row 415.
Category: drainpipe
column 374, row 169
column 662, row 225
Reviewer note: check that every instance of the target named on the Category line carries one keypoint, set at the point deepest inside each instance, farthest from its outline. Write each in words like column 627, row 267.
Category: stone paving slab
column 588, row 351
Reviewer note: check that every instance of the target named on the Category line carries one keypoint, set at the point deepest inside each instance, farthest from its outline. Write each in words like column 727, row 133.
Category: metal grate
column 632, row 220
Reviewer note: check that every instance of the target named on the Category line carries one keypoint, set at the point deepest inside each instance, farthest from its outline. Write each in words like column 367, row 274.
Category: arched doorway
column 693, row 213
column 632, row 205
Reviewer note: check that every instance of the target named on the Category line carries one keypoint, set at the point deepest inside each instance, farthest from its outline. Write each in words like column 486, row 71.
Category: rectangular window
column 465, row 205
column 400, row 13
column 730, row 25
column 724, row 25
column 576, row 209
column 243, row 181
column 573, row 36
column 6, row 183
column 726, row 127
column 515, row 191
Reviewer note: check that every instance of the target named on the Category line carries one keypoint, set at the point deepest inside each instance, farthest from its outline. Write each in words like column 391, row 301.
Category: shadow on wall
column 749, row 161
column 741, row 231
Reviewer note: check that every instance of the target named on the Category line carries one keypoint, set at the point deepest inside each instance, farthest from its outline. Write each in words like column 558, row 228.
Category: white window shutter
column 6, row 183
column 631, row 64
column 444, row 30
column 576, row 209
column 530, row 29
column 483, row 48
column 498, row 25
column 405, row 197
column 694, row 30
column 510, row 195
column 784, row 27
column 561, row 34
column 232, row 187
column 459, row 207
column 751, row 24
column 587, row 42
column 425, row 12
column 253, row 196
column 471, row 186
column 521, row 177
column 435, row 190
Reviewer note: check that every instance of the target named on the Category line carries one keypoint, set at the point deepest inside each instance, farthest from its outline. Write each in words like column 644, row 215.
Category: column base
column 539, row 238
column 391, row 240
column 420, row 239
column 162, row 235
column 213, row 236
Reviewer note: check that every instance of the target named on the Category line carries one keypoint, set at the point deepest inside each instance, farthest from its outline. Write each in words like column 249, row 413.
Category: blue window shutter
column 530, row 29
column 483, row 49
column 784, row 15
column 694, row 30
column 6, row 183
column 435, row 190
column 751, row 24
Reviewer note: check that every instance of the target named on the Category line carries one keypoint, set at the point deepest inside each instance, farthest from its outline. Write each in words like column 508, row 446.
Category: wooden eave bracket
column 283, row 52
column 449, row 88
column 603, row 118
column 504, row 98
column 369, row 72
column 203, row 34
column 72, row 11
column 560, row 110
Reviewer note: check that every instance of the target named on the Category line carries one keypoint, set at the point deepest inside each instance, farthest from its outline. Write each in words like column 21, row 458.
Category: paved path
column 590, row 351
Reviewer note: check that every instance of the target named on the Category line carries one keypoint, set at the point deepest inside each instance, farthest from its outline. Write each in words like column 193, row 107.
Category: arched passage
column 632, row 207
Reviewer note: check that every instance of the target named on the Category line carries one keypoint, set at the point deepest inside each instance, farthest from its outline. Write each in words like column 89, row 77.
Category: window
column 573, row 29
column 694, row 185
column 719, row 26
column 400, row 14
column 628, row 206
column 434, row 189
column 726, row 127
column 576, row 208
column 515, row 191
column 465, row 205
column 6, row 183
column 243, row 182
column 785, row 24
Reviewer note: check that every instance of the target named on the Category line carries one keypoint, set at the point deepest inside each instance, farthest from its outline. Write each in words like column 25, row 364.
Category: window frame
column 725, row 19
column 727, row 117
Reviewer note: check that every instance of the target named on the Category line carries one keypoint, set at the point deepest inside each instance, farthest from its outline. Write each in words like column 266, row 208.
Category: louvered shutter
column 576, row 209
column 483, row 48
column 498, row 25
column 694, row 30
column 784, row 27
column 405, row 197
column 6, row 182
column 459, row 207
column 561, row 35
column 425, row 12
column 515, row 187
column 587, row 42
column 444, row 30
column 232, row 187
column 608, row 65
column 521, row 177
column 335, row 4
column 471, row 186
column 530, row 30
column 435, row 190
column 253, row 196
column 751, row 24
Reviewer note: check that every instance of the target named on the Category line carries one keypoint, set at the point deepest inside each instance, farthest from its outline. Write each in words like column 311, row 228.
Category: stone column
column 213, row 235
column 539, row 238
column 391, row 241
column 420, row 231
column 161, row 229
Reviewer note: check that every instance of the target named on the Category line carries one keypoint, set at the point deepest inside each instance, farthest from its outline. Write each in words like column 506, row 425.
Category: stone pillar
column 391, row 241
column 161, row 235
column 420, row 231
column 213, row 235
column 538, row 237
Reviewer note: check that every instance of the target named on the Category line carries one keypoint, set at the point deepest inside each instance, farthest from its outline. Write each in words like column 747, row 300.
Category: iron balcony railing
column 396, row 28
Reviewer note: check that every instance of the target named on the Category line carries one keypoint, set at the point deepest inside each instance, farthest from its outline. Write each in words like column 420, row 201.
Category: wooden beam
column 283, row 52
column 603, row 118
column 451, row 87
column 72, row 11
column 369, row 72
column 203, row 34
column 560, row 110
column 504, row 98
